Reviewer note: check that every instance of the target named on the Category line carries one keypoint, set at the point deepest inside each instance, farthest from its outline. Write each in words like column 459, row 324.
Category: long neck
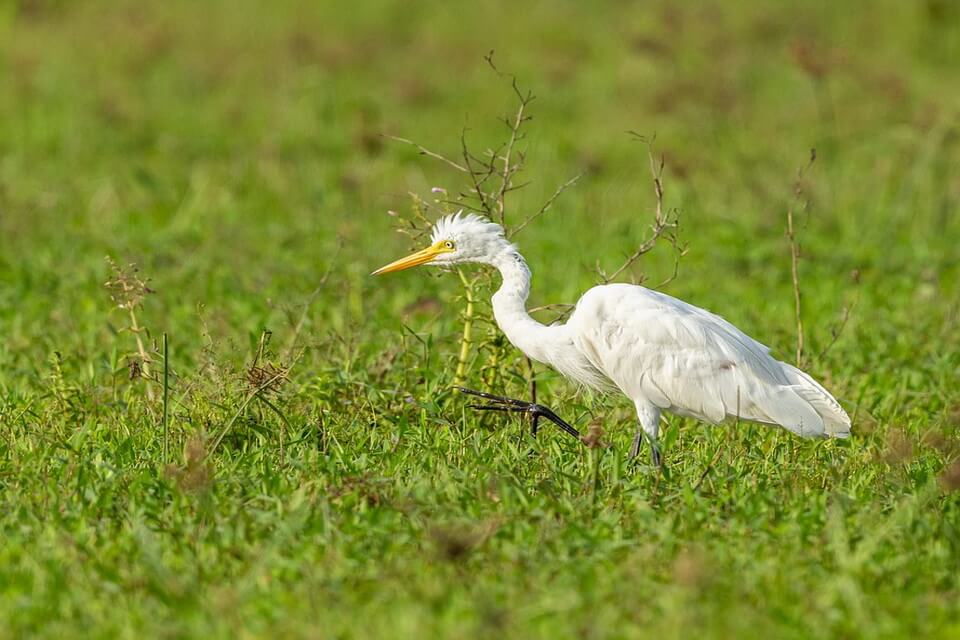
column 510, row 310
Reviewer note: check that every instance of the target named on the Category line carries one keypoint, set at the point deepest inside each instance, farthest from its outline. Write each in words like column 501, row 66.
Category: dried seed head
column 593, row 438
column 953, row 415
column 127, row 289
column 949, row 480
column 195, row 475
column 268, row 378
column 898, row 447
column 456, row 542
column 940, row 442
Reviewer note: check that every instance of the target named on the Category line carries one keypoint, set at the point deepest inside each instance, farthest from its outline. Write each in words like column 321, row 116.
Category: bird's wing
column 690, row 361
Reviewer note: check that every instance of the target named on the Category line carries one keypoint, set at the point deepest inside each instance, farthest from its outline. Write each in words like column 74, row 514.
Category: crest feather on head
column 474, row 239
column 459, row 224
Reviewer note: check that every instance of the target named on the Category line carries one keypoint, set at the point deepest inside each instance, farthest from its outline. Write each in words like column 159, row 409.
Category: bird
column 662, row 353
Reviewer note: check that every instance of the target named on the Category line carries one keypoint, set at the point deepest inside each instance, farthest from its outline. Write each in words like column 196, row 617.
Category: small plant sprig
column 265, row 375
column 263, row 381
column 128, row 291
column 491, row 177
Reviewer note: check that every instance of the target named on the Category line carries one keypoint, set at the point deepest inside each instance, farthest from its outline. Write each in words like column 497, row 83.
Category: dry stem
column 466, row 336
column 798, row 194
column 427, row 152
column 135, row 329
column 664, row 226
column 546, row 205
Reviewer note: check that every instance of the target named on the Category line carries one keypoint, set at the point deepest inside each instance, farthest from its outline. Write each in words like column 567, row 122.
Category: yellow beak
column 420, row 257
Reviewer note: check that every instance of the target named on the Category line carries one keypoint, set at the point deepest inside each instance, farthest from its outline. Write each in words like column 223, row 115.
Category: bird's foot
column 655, row 458
column 512, row 405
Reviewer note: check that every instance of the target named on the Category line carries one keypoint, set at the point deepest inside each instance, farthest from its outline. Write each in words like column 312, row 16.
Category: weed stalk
column 466, row 336
column 166, row 400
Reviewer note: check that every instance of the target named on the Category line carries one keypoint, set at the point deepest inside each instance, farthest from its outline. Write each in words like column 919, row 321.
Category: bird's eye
column 448, row 244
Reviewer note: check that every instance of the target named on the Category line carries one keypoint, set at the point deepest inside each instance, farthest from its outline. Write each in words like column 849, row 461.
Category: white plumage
column 662, row 353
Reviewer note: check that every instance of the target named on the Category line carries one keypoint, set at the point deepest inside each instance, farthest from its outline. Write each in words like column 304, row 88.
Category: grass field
column 315, row 476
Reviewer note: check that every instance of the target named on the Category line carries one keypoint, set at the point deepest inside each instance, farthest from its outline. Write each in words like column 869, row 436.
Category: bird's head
column 456, row 239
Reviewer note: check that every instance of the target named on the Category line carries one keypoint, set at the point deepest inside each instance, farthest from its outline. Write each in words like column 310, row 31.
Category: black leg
column 535, row 423
column 637, row 443
column 655, row 458
column 511, row 405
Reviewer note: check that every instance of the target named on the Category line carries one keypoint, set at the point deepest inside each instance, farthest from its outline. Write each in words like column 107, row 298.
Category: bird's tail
column 806, row 408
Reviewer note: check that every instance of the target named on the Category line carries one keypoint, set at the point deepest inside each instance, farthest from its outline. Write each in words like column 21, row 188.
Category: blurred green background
column 233, row 152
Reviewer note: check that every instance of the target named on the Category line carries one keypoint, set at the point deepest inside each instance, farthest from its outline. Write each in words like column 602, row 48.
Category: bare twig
column 798, row 196
column 837, row 329
column 477, row 176
column 533, row 380
column 427, row 152
column 561, row 310
column 166, row 397
column 563, row 306
column 664, row 225
column 546, row 205
column 509, row 169
column 679, row 250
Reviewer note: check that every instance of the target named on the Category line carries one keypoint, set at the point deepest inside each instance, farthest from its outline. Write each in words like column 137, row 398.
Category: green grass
column 228, row 149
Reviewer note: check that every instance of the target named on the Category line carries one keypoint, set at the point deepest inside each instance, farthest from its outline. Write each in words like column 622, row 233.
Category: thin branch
column 561, row 309
column 517, row 187
column 489, row 164
column 489, row 60
column 679, row 250
column 508, row 169
column 798, row 194
column 546, row 205
column 837, row 330
column 477, row 178
column 662, row 226
column 552, row 307
column 427, row 152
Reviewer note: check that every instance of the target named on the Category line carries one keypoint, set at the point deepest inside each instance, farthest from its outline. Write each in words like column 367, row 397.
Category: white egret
column 662, row 353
